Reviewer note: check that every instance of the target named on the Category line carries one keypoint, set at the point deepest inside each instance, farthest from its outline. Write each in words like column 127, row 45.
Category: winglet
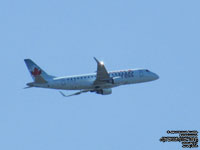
column 63, row 94
column 77, row 93
column 96, row 60
column 27, row 87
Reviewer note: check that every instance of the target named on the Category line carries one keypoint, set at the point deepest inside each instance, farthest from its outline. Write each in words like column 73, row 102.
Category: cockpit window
column 147, row 71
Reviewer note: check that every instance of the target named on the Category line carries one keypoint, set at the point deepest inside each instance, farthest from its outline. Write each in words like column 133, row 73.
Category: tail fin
column 38, row 75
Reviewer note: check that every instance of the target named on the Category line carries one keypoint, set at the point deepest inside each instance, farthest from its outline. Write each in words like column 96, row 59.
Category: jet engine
column 104, row 91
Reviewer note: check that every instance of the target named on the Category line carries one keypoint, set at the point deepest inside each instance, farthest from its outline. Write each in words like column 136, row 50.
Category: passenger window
column 126, row 74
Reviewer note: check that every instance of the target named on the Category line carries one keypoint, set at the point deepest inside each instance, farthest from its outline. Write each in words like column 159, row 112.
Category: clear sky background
column 63, row 36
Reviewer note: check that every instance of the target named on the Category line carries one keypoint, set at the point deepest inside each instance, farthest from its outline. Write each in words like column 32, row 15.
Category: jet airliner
column 100, row 82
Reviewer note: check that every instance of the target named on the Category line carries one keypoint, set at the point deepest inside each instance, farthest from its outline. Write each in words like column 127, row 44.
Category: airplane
column 100, row 82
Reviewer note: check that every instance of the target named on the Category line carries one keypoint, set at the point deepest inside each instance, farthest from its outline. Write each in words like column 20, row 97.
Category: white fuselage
column 79, row 82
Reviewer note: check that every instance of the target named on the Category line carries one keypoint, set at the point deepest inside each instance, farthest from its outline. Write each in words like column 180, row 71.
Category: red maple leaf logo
column 36, row 72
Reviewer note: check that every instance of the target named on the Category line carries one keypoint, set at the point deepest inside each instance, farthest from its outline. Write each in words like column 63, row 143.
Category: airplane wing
column 102, row 77
column 77, row 93
column 102, row 74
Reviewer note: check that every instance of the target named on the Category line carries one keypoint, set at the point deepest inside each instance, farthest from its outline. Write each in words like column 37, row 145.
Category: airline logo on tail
column 36, row 72
column 38, row 75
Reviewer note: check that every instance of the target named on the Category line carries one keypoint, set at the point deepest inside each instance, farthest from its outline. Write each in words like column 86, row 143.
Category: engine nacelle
column 104, row 91
column 116, row 80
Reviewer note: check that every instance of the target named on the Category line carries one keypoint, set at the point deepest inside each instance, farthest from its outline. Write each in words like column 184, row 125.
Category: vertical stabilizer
column 38, row 75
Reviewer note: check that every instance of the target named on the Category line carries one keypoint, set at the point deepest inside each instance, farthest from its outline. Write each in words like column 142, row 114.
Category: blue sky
column 63, row 36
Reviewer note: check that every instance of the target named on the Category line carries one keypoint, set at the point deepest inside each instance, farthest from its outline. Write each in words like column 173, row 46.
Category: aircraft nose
column 155, row 76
